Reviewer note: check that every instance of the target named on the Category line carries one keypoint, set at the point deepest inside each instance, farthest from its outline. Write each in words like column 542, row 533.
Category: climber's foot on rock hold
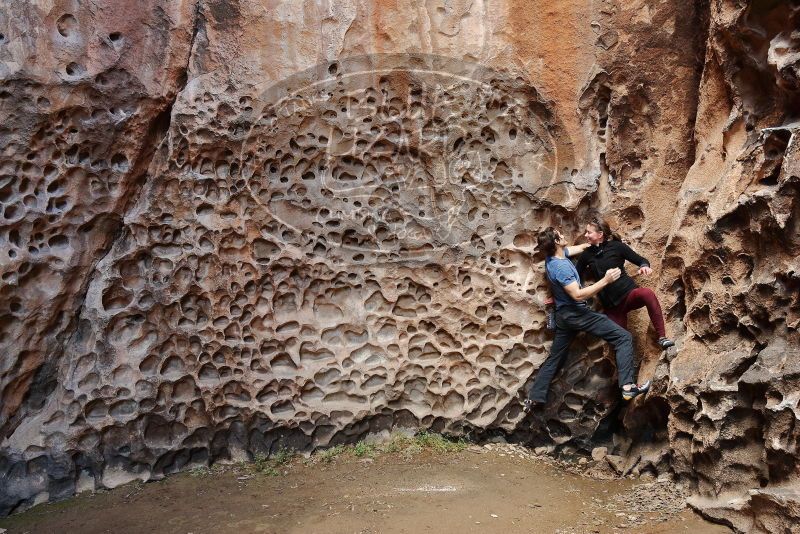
column 630, row 391
column 530, row 405
column 665, row 343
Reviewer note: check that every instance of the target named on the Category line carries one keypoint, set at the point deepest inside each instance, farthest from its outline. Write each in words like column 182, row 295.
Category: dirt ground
column 482, row 489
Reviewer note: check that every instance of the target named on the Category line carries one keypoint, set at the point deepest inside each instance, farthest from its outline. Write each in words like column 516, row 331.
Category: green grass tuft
column 398, row 443
column 268, row 465
column 328, row 455
column 200, row 471
column 282, row 457
column 439, row 443
column 362, row 449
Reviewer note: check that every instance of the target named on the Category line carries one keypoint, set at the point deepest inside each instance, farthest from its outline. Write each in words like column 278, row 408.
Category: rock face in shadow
column 229, row 228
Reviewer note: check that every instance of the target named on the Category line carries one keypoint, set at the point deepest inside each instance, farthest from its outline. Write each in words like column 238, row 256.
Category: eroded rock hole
column 74, row 69
column 67, row 25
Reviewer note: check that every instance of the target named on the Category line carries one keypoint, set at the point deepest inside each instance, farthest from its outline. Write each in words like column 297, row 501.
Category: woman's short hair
column 546, row 240
column 599, row 222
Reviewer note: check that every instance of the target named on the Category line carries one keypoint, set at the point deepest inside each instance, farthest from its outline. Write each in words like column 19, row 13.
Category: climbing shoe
column 636, row 389
column 529, row 405
column 665, row 343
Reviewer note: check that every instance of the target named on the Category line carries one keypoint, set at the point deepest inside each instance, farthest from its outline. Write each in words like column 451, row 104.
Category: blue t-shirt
column 562, row 272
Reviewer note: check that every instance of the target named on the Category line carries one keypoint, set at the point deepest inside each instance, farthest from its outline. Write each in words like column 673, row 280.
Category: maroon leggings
column 639, row 298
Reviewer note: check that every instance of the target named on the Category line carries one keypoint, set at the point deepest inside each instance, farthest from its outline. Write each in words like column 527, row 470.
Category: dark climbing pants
column 569, row 321
column 640, row 297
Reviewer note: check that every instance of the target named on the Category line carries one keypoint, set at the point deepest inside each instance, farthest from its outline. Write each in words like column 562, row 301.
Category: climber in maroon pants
column 607, row 251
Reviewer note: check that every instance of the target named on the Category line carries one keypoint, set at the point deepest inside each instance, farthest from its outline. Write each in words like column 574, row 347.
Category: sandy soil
column 481, row 489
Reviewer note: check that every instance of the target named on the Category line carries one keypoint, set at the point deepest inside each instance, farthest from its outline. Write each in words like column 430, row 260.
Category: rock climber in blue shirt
column 573, row 315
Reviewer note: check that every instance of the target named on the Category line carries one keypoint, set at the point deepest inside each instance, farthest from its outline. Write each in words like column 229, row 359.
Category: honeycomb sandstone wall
column 235, row 226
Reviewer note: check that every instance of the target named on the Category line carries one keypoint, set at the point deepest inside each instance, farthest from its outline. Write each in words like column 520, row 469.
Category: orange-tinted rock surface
column 230, row 227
